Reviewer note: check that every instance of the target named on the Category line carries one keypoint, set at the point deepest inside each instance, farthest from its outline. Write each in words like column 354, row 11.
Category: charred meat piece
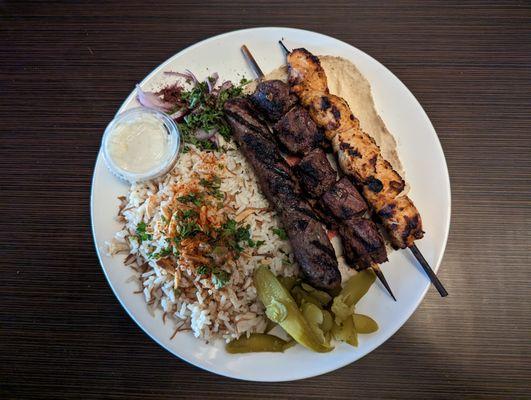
column 273, row 99
column 344, row 201
column 312, row 248
column 362, row 243
column 297, row 132
column 315, row 173
column 262, row 153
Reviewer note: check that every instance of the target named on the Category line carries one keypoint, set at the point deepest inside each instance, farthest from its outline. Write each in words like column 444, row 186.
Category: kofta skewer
column 311, row 246
column 359, row 156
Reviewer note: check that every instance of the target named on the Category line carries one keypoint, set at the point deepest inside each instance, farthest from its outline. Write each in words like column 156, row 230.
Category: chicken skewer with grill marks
column 342, row 207
column 358, row 155
column 311, row 246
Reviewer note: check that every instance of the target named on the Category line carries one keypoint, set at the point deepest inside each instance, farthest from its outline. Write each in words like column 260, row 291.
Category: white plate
column 426, row 171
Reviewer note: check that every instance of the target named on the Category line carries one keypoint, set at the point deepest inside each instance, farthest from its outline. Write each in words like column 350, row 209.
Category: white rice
column 198, row 306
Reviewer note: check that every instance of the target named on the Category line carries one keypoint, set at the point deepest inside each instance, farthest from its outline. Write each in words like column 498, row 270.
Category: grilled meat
column 311, row 247
column 316, row 175
column 262, row 153
column 362, row 243
column 343, row 200
column 297, row 132
column 341, row 205
column 358, row 154
column 273, row 99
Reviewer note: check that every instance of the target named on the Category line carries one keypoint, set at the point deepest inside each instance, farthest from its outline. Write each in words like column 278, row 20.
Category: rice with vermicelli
column 194, row 300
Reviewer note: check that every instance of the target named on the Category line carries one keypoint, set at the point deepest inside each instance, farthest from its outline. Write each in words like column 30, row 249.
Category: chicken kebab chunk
column 311, row 246
column 340, row 204
column 358, row 155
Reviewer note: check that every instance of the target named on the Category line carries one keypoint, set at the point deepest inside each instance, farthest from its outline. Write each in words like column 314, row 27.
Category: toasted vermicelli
column 176, row 283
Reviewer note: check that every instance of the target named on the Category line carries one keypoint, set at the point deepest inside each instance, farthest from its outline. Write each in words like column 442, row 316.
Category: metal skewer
column 433, row 278
column 284, row 47
column 381, row 277
column 254, row 65
column 252, row 62
column 414, row 249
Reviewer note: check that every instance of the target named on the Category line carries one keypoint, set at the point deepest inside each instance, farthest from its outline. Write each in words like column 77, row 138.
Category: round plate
column 426, row 171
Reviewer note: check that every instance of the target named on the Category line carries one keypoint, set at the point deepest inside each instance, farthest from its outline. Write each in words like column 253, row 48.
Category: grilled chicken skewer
column 358, row 155
column 364, row 246
column 311, row 247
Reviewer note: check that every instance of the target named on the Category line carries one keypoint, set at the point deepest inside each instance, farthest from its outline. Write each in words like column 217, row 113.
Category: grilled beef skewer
column 358, row 155
column 311, row 247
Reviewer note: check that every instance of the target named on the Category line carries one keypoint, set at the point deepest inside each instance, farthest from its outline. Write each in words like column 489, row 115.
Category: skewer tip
column 286, row 50
column 382, row 279
column 252, row 62
column 433, row 278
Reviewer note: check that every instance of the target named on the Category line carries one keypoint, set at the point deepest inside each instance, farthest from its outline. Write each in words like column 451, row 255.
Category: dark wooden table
column 65, row 67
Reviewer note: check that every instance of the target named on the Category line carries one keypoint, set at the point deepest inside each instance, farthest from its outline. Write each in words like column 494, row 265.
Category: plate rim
column 370, row 348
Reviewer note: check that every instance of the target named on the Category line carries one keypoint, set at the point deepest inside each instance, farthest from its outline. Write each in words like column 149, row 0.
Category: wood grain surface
column 65, row 67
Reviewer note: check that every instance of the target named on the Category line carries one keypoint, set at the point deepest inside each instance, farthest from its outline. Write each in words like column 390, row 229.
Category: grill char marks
column 297, row 132
column 315, row 173
column 343, row 201
column 311, row 247
column 273, row 99
column 362, row 243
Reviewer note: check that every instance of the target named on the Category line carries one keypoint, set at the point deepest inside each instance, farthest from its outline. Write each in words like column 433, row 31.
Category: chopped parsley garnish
column 191, row 198
column 212, row 185
column 281, row 233
column 141, row 232
column 189, row 214
column 235, row 236
column 207, row 112
column 256, row 244
column 220, row 278
column 162, row 253
column 188, row 229
column 203, row 270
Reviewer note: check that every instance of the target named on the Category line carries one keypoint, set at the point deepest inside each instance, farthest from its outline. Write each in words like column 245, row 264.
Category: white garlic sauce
column 139, row 144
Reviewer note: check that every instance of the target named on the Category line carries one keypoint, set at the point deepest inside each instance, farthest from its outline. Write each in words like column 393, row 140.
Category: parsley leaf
column 163, row 253
column 141, row 232
column 191, row 198
column 203, row 270
column 188, row 229
column 281, row 233
column 207, row 112
column 189, row 214
column 220, row 278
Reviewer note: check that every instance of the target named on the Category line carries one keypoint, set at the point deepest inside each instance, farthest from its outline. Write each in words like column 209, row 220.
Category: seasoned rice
column 187, row 298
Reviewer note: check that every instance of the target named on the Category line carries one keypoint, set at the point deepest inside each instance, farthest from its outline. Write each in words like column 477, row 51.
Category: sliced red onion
column 151, row 100
column 178, row 115
column 214, row 139
column 226, row 85
column 211, row 81
column 184, row 75
column 192, row 76
column 201, row 134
